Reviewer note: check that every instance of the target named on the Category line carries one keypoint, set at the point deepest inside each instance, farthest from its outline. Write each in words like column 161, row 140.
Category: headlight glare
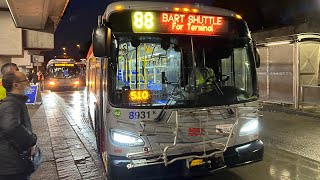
column 123, row 138
column 249, row 127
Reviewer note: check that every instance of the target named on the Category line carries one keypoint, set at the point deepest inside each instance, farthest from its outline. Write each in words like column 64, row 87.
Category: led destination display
column 64, row 65
column 177, row 23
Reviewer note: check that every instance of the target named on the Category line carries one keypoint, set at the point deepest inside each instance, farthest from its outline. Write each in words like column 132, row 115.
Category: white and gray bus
column 172, row 90
column 64, row 74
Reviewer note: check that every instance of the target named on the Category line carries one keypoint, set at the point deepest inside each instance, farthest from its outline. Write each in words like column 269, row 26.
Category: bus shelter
column 289, row 71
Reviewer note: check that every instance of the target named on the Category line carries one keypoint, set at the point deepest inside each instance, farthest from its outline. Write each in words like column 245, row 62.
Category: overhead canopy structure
column 35, row 14
column 27, row 29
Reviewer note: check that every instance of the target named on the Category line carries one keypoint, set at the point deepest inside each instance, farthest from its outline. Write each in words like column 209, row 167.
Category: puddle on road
column 277, row 165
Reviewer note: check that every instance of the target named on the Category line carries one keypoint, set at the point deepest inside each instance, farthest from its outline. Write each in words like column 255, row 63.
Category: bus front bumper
column 234, row 156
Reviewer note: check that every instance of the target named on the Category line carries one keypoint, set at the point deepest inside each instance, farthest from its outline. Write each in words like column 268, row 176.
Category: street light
column 64, row 53
column 64, row 49
column 78, row 45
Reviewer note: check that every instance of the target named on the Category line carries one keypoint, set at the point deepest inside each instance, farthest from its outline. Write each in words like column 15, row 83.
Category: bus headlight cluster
column 52, row 83
column 76, row 83
column 123, row 138
column 249, row 127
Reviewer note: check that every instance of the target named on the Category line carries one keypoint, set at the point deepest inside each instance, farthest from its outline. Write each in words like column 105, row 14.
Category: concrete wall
column 23, row 61
column 10, row 36
column 38, row 40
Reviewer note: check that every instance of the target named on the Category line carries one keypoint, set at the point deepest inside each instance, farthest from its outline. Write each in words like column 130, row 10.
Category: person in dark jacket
column 15, row 128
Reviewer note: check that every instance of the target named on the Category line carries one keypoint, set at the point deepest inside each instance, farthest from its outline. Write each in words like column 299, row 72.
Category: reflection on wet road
column 75, row 102
column 279, row 163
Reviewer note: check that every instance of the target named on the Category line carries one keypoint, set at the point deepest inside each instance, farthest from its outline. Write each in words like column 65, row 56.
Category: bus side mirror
column 256, row 54
column 101, row 38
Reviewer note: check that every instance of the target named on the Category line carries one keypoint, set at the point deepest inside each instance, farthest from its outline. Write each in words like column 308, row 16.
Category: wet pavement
column 291, row 144
column 65, row 139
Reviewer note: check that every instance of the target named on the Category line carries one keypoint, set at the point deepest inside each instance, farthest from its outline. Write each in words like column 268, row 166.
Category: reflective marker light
column 119, row 7
column 123, row 138
column 238, row 16
column 52, row 83
column 176, row 9
column 76, row 83
column 249, row 127
column 186, row 9
column 195, row 10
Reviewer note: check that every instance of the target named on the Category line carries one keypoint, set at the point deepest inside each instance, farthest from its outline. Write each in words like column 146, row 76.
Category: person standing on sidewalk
column 15, row 128
column 8, row 67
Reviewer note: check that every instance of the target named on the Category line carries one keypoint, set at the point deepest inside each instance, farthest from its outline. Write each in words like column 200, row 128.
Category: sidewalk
column 66, row 154
column 308, row 110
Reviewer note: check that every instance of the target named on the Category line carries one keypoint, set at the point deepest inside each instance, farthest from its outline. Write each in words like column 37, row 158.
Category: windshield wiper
column 162, row 112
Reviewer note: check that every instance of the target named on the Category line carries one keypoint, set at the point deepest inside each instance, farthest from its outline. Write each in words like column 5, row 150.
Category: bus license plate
column 196, row 162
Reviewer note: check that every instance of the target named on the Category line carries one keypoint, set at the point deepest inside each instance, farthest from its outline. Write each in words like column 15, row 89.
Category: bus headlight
column 76, row 83
column 52, row 83
column 123, row 138
column 249, row 127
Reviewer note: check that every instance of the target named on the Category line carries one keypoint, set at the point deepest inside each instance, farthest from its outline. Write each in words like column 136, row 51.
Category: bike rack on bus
column 155, row 157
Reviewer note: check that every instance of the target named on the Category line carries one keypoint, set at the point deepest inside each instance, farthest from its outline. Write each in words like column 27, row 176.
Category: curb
column 279, row 108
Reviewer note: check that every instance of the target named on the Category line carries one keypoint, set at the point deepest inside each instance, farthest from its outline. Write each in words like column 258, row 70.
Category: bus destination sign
column 64, row 65
column 177, row 23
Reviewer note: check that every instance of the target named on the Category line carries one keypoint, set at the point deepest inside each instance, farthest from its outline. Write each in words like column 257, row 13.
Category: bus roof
column 61, row 60
column 164, row 6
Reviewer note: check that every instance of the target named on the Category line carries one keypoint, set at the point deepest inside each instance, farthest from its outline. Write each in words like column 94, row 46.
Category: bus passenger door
column 103, row 107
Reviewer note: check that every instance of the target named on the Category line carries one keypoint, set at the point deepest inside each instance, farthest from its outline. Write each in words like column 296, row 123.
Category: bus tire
column 112, row 174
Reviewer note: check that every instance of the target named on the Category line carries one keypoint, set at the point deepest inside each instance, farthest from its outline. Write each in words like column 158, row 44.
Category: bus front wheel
column 116, row 173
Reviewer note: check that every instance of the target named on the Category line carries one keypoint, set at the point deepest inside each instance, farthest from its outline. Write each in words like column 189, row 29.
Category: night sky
column 81, row 17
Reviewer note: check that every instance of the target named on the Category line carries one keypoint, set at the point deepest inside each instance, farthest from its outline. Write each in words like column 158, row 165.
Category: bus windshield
column 63, row 72
column 181, row 71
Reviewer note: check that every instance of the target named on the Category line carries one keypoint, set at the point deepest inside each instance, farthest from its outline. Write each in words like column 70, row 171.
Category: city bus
column 172, row 90
column 64, row 74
